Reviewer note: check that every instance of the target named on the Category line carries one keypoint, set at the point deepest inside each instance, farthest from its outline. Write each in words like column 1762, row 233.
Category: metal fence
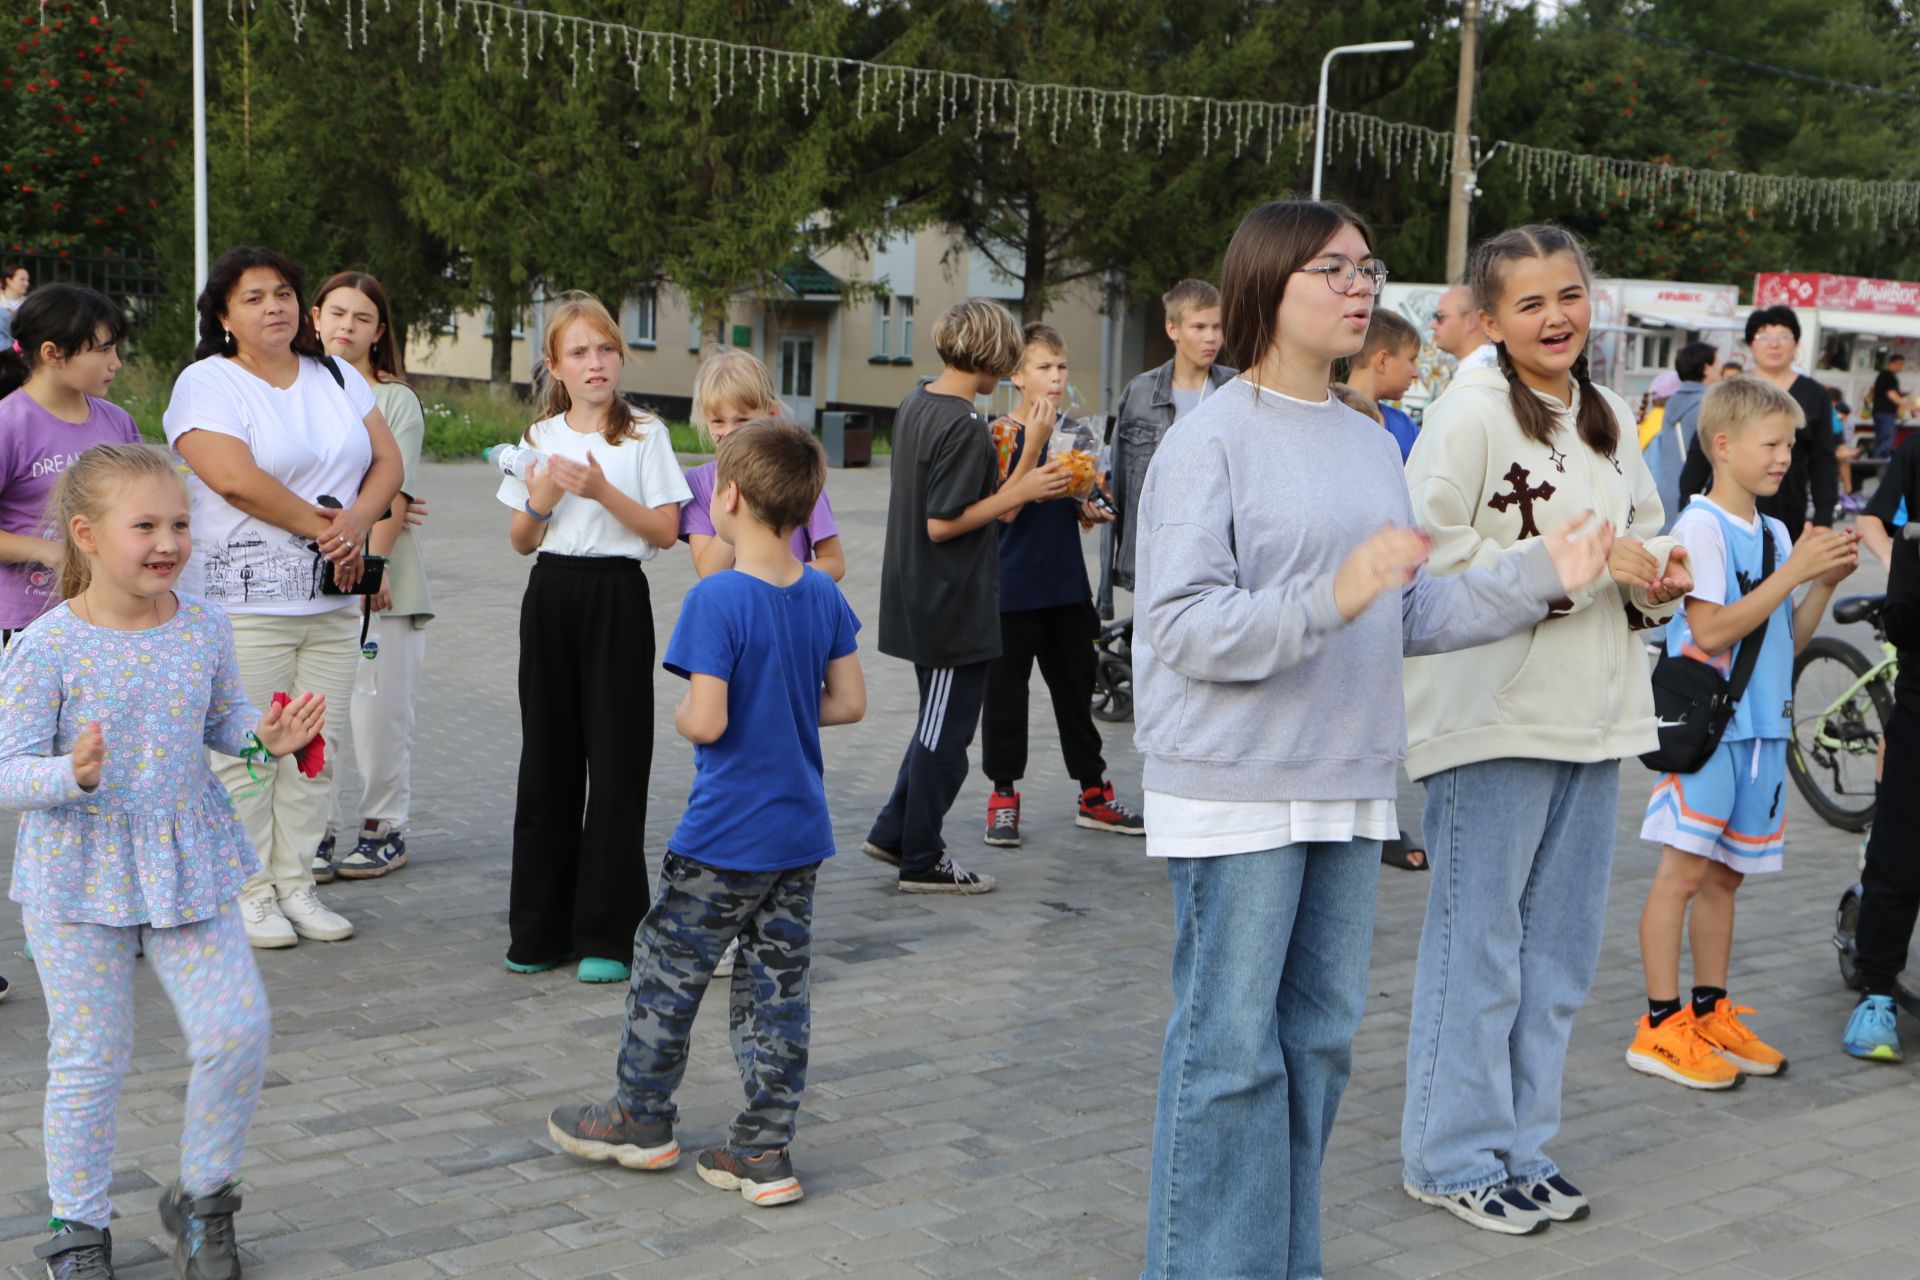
column 136, row 283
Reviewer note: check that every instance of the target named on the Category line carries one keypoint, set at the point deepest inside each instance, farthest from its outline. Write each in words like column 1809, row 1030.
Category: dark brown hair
column 389, row 362
column 221, row 281
column 68, row 316
column 1486, row 275
column 1273, row 241
column 779, row 467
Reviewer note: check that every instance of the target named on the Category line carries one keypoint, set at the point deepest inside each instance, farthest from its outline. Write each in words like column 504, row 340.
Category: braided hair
column 1486, row 275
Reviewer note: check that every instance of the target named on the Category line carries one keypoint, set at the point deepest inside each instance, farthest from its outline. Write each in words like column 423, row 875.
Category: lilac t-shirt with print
column 697, row 516
column 35, row 447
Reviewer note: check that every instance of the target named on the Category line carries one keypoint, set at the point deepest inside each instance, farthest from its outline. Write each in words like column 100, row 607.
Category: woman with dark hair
column 14, row 282
column 291, row 464
column 1273, row 609
column 355, row 324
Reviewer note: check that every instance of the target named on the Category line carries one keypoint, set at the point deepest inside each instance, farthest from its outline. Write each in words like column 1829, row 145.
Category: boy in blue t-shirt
column 767, row 648
column 1727, row 820
column 1046, row 611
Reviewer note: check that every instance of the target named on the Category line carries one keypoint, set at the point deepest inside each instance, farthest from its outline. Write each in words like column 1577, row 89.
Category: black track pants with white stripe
column 935, row 766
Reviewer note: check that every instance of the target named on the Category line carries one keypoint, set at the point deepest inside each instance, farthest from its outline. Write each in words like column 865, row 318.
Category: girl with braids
column 1520, row 740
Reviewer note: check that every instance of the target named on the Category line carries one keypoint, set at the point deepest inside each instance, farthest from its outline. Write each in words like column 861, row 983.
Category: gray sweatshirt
column 1248, row 684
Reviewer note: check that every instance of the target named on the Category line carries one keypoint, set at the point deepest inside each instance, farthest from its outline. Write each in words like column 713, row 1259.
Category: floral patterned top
column 157, row 841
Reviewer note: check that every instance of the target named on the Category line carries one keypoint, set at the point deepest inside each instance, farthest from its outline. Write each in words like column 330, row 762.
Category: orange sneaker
column 1736, row 1042
column 1676, row 1051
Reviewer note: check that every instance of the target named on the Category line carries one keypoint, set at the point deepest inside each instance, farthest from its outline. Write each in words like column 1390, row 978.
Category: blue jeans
column 1269, row 975
column 1521, row 850
column 1886, row 428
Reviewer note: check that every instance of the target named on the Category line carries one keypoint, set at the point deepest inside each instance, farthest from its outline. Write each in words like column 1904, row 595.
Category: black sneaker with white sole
column 1558, row 1199
column 946, row 876
column 889, row 856
column 606, row 1131
column 763, row 1180
column 1501, row 1209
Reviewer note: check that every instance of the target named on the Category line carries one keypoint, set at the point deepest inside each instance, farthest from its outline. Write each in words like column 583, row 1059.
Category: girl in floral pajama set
column 108, row 704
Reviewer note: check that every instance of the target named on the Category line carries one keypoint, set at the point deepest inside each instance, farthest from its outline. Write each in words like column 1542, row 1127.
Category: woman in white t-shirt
column 607, row 498
column 291, row 464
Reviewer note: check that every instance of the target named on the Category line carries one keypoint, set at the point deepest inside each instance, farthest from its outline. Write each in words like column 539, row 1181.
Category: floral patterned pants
column 87, row 970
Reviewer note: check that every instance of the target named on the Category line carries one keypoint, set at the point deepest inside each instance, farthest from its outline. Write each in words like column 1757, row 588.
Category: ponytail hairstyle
column 65, row 315
column 623, row 420
column 1486, row 276
column 736, row 379
column 88, row 487
column 389, row 361
column 225, row 275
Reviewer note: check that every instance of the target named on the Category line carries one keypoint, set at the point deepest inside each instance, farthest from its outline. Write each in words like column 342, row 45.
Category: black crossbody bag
column 1692, row 704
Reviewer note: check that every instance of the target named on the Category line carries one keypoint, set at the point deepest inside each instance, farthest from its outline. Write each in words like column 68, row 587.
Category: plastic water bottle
column 367, row 683
column 516, row 460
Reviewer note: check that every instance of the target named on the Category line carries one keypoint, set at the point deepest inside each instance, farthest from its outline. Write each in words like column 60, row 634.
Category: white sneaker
column 311, row 920
column 1502, row 1209
column 267, row 928
column 727, row 957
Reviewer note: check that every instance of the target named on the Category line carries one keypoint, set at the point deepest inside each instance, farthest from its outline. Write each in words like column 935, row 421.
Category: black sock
column 1658, row 1011
column 1704, row 998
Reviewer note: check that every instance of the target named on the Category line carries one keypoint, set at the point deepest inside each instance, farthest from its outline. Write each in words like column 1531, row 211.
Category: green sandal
column 600, row 969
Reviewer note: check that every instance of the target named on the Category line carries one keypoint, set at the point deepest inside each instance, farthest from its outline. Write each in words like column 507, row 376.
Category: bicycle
column 1851, row 698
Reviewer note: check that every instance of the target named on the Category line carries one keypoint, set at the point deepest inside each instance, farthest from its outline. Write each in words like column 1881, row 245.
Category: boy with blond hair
column 1157, row 399
column 768, row 650
column 940, row 582
column 1726, row 820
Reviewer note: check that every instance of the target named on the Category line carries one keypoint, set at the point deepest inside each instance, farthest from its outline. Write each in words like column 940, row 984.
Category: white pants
column 383, row 726
column 285, row 812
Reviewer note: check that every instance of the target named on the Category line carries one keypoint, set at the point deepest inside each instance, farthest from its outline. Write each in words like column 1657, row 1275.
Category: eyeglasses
column 1774, row 335
column 1340, row 272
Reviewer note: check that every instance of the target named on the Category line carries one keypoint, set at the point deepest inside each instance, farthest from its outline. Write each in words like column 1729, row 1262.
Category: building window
column 519, row 327
column 892, row 330
column 693, row 339
column 637, row 319
column 1656, row 351
column 882, row 326
column 905, row 353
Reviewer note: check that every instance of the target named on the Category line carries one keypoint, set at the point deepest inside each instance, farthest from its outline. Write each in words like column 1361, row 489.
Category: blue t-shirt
column 1726, row 556
column 1041, row 564
column 759, row 801
column 1404, row 429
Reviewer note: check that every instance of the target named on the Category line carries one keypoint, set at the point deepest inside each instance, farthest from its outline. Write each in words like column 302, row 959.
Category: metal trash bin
column 848, row 437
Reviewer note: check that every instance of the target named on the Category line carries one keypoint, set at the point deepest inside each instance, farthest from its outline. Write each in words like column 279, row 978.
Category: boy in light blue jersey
column 1727, row 820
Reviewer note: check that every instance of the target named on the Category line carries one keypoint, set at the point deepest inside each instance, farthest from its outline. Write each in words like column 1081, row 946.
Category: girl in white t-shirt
column 607, row 499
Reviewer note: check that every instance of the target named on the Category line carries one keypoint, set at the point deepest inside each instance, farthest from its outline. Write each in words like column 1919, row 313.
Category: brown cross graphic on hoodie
column 1523, row 496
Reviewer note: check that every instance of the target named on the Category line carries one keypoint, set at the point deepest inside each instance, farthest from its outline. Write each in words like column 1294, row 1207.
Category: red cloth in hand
column 311, row 758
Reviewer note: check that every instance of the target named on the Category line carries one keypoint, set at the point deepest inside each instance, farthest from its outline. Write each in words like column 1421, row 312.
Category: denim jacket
column 1140, row 423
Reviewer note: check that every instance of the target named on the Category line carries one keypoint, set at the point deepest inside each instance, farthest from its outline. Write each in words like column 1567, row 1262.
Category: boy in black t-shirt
column 1890, row 884
column 1046, row 611
column 940, row 582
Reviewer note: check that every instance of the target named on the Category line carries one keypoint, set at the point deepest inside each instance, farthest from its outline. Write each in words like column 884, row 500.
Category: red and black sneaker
column 1003, row 819
column 1099, row 811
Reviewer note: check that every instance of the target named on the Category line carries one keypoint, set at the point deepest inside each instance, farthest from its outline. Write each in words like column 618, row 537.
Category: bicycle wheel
column 1836, row 738
column 1113, row 691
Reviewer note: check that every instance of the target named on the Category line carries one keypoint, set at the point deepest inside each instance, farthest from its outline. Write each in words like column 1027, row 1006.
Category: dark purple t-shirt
column 696, row 516
column 35, row 447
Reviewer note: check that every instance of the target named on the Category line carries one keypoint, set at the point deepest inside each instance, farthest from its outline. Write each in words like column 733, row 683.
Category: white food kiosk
column 1849, row 326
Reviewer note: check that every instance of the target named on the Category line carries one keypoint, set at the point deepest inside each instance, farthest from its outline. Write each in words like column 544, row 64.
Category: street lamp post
column 1320, row 107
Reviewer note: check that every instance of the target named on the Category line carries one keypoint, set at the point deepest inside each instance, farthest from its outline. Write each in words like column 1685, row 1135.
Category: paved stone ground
column 980, row 1102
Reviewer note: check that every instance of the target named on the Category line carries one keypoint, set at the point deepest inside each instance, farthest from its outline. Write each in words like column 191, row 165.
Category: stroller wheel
column 1113, row 690
column 1846, row 924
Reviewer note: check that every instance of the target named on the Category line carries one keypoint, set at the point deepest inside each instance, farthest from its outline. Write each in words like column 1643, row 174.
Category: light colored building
column 846, row 330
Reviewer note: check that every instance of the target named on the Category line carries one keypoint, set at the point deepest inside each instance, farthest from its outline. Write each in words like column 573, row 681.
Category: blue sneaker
column 379, row 851
column 1870, row 1031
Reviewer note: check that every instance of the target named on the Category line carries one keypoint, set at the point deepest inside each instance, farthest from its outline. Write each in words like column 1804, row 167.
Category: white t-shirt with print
column 643, row 468
column 311, row 437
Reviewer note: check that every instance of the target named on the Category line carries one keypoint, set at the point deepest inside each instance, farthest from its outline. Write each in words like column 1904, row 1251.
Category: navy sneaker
column 77, row 1252
column 323, row 866
column 762, row 1181
column 605, row 1131
column 1558, row 1199
column 204, row 1247
column 1503, row 1209
column 379, row 851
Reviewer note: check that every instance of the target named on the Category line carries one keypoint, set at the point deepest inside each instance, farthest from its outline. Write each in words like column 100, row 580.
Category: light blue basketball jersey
column 1766, row 709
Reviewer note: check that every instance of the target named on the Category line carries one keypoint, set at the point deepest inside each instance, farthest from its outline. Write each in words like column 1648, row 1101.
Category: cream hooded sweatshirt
column 1576, row 686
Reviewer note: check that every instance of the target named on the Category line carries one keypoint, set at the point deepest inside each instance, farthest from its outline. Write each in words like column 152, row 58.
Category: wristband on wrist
column 527, row 506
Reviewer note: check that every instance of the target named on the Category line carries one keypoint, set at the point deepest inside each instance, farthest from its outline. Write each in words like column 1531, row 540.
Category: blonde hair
column 88, row 487
column 1737, row 403
column 730, row 377
column 622, row 418
column 1188, row 297
column 779, row 467
column 977, row 336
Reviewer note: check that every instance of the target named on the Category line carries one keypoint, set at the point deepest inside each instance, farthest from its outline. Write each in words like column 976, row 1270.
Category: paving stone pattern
column 981, row 1095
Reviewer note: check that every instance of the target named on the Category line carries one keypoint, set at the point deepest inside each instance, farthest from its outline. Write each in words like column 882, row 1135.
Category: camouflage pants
column 698, row 910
